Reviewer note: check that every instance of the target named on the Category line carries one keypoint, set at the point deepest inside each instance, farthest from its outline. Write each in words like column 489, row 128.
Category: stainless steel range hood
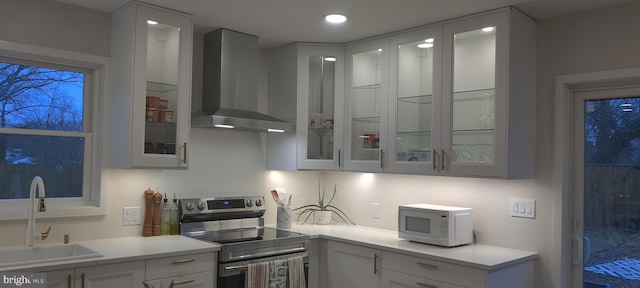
column 230, row 84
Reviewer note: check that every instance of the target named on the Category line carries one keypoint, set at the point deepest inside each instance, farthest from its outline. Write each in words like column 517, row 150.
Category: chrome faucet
column 31, row 235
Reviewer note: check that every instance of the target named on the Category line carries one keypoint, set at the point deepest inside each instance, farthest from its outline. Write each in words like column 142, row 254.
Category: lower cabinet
column 186, row 271
column 126, row 274
column 352, row 266
column 393, row 279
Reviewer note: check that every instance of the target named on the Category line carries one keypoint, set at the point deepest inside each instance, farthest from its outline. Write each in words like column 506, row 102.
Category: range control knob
column 189, row 206
column 258, row 202
column 202, row 205
column 249, row 203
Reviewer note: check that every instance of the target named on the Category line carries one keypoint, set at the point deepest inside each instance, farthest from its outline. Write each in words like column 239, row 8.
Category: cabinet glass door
column 414, row 101
column 161, row 88
column 365, row 112
column 474, row 96
column 321, row 107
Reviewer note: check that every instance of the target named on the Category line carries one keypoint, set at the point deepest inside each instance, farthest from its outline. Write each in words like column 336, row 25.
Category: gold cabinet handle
column 434, row 159
column 183, row 282
column 184, row 153
column 82, row 280
column 427, row 265
column 426, row 285
column 375, row 263
column 184, row 261
column 68, row 280
column 442, row 160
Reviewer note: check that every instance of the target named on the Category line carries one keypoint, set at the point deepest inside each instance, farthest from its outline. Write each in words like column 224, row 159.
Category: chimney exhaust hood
column 230, row 85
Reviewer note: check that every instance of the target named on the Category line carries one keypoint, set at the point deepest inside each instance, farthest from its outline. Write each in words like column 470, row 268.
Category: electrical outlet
column 375, row 210
column 525, row 208
column 130, row 216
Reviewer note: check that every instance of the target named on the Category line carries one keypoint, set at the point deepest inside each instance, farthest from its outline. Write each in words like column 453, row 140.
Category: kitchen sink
column 45, row 254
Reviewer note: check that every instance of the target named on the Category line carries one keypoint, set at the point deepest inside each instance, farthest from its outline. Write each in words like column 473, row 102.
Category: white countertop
column 126, row 249
column 474, row 255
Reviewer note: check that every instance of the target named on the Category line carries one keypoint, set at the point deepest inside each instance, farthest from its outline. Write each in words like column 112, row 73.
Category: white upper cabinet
column 415, row 98
column 365, row 105
column 309, row 79
column 150, row 103
column 451, row 99
column 488, row 96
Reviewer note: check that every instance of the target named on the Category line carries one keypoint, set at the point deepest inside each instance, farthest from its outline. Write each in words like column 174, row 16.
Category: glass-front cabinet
column 152, row 97
column 415, row 101
column 366, row 105
column 489, row 91
column 320, row 91
column 306, row 86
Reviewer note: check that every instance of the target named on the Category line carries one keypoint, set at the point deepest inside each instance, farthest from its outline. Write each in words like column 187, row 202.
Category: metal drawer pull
column 184, row 261
column 375, row 263
column 442, row 162
column 184, row 153
column 183, row 282
column 434, row 159
column 427, row 265
column 426, row 285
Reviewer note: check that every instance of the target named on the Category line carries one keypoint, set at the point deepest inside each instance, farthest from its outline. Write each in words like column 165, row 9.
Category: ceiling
column 278, row 22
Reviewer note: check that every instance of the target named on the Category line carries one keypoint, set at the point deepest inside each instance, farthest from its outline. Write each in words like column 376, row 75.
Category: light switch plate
column 375, row 210
column 525, row 208
column 130, row 216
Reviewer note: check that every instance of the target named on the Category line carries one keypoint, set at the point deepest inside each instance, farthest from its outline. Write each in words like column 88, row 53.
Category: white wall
column 231, row 163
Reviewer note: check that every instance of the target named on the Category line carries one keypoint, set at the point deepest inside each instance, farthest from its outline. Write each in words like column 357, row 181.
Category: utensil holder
column 283, row 217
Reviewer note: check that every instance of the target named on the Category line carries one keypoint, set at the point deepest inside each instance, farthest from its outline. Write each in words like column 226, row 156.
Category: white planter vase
column 322, row 217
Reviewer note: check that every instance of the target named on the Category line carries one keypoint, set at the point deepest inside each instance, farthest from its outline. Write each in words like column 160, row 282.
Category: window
column 50, row 103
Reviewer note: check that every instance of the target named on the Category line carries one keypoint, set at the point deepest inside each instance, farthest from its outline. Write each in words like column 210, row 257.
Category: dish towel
column 296, row 272
column 277, row 274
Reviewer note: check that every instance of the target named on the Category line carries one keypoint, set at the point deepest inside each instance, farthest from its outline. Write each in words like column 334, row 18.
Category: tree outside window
column 42, row 128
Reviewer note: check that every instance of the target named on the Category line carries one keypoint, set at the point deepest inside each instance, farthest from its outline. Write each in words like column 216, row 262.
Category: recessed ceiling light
column 425, row 45
column 152, row 22
column 430, row 40
column 330, row 59
column 487, row 29
column 335, row 18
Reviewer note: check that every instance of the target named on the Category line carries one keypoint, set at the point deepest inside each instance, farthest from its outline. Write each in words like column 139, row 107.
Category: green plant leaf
column 307, row 206
column 341, row 213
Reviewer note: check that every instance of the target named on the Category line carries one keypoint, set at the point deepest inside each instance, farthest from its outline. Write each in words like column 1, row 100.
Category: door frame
column 563, row 164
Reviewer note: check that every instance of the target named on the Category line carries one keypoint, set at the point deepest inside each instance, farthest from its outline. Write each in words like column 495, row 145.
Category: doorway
column 606, row 185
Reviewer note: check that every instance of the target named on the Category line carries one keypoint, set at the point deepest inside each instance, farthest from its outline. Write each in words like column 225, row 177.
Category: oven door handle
column 243, row 267
column 267, row 254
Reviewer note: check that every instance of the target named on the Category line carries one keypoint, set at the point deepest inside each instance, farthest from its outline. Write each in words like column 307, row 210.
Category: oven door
column 234, row 274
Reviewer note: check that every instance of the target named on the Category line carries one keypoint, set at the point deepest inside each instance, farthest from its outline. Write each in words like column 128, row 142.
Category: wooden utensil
column 156, row 213
column 147, row 229
column 274, row 194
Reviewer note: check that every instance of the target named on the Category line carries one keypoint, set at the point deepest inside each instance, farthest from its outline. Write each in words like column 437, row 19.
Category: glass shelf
column 471, row 95
column 420, row 99
column 475, row 132
column 368, row 86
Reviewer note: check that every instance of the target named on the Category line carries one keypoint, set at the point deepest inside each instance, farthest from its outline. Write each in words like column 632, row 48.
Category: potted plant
column 322, row 212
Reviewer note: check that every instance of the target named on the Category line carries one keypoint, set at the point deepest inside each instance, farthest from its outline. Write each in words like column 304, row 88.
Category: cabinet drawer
column 180, row 265
column 393, row 279
column 204, row 279
column 433, row 269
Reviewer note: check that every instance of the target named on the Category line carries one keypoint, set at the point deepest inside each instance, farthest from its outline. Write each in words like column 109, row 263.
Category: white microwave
column 436, row 224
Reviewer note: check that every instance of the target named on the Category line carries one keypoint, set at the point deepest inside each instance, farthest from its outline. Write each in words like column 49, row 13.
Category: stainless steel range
column 237, row 223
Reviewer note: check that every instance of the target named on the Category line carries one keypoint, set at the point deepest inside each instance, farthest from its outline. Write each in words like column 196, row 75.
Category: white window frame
column 93, row 202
